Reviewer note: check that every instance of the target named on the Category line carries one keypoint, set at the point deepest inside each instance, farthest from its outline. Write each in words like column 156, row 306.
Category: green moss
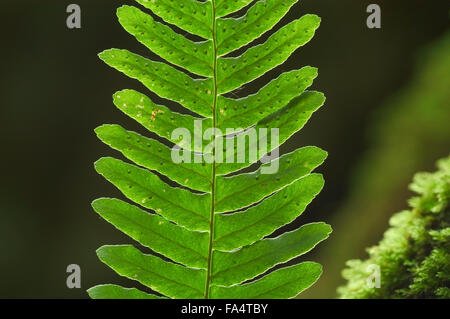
column 414, row 253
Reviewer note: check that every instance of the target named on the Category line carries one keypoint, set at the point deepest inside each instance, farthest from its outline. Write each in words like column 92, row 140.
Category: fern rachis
column 213, row 228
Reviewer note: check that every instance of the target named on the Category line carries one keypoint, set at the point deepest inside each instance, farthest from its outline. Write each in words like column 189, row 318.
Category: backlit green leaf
column 250, row 261
column 177, row 243
column 190, row 15
column 280, row 284
column 224, row 7
column 204, row 220
column 156, row 156
column 243, row 228
column 234, row 72
column 234, row 33
column 245, row 189
column 168, row 44
column 164, row 80
column 274, row 96
column 148, row 190
column 118, row 292
column 166, row 278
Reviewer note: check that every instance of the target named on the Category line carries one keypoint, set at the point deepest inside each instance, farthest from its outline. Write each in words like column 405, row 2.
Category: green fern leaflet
column 213, row 227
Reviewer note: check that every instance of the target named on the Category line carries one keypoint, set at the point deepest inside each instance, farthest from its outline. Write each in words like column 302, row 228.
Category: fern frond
column 235, row 72
column 212, row 228
column 164, row 80
column 274, row 96
column 118, row 292
column 195, row 57
column 261, row 17
column 225, row 7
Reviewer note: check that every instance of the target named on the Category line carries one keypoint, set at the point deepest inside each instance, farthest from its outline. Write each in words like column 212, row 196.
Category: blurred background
column 386, row 117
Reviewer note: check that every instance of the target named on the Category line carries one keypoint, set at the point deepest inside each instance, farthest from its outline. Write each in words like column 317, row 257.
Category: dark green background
column 54, row 91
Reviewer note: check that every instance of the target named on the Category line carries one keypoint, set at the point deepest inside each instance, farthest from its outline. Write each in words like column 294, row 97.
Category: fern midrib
column 213, row 173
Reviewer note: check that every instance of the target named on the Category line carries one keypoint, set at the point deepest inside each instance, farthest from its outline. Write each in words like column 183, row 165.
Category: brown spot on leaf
column 154, row 113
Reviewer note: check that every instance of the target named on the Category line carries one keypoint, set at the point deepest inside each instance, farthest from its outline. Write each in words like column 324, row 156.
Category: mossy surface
column 414, row 253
